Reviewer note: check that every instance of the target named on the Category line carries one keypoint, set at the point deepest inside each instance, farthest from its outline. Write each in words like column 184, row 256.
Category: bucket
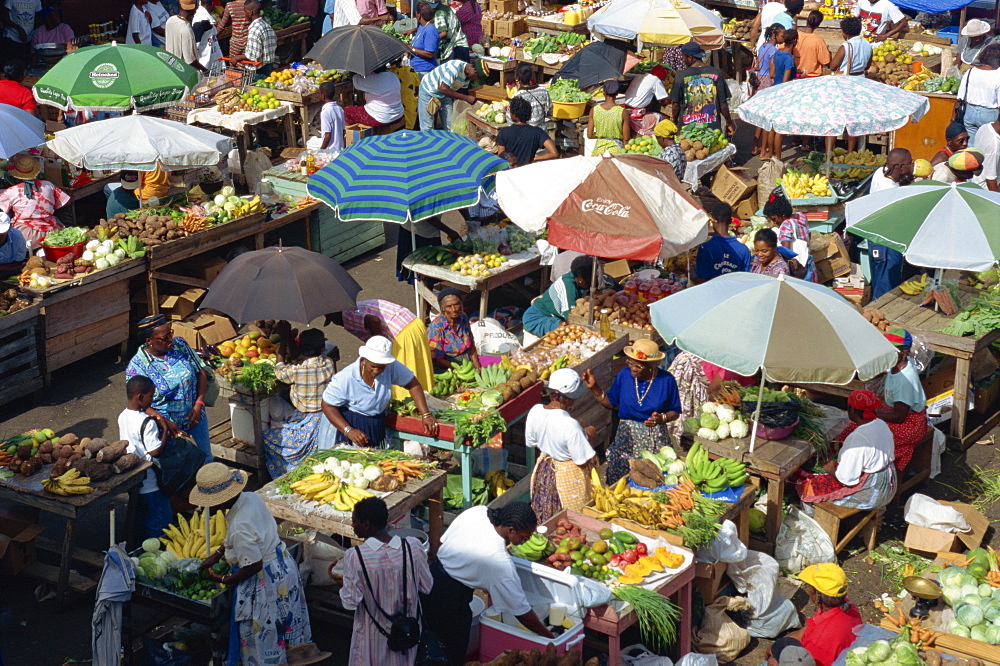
column 404, row 532
column 478, row 606
column 53, row 253
column 568, row 110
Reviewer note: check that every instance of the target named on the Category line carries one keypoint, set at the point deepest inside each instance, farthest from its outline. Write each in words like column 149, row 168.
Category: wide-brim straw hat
column 644, row 350
column 305, row 653
column 24, row 167
column 216, row 484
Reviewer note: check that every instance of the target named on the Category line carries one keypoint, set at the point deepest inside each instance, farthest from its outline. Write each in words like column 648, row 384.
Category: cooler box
column 543, row 586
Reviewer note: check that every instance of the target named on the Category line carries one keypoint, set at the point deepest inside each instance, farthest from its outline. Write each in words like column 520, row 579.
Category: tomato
column 630, row 556
column 641, row 549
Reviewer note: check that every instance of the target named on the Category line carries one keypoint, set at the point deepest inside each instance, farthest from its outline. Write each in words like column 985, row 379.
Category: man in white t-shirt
column 782, row 13
column 886, row 263
column 145, row 438
column 988, row 142
column 180, row 39
column 331, row 119
column 880, row 20
column 139, row 29
column 158, row 16
column 644, row 89
column 383, row 100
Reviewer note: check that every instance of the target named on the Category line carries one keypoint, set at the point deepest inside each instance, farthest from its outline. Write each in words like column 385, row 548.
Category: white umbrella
column 789, row 329
column 140, row 143
column 21, row 131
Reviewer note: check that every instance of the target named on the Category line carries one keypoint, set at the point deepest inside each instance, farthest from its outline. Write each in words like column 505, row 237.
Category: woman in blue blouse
column 450, row 333
column 646, row 398
column 180, row 381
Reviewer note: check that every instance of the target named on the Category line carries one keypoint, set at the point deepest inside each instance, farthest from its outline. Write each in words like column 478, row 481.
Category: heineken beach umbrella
column 116, row 77
column 938, row 225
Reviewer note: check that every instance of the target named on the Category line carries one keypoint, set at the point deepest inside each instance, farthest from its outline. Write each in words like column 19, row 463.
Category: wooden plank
column 49, row 573
column 16, row 346
column 101, row 304
column 120, row 271
column 20, row 385
column 20, row 319
column 27, row 358
column 209, row 239
column 89, row 557
column 772, row 458
column 81, row 343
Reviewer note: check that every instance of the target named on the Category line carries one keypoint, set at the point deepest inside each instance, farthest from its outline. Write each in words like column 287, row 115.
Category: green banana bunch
column 464, row 371
column 445, row 383
column 491, row 375
column 535, row 548
column 712, row 476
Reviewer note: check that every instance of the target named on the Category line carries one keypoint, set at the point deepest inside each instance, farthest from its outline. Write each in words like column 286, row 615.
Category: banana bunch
column 856, row 173
column 712, row 476
column 328, row 489
column 914, row 287
column 498, row 482
column 535, row 548
column 252, row 206
column 491, row 375
column 186, row 538
column 858, row 157
column 70, row 483
column 445, row 383
column 560, row 362
column 802, row 186
column 623, row 501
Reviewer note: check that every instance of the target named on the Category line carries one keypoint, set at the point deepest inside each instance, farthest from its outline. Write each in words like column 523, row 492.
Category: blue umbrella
column 406, row 176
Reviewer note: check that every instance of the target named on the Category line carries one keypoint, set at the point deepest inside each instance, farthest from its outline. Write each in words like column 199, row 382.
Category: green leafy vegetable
column 65, row 237
column 257, row 377
column 567, row 90
column 979, row 317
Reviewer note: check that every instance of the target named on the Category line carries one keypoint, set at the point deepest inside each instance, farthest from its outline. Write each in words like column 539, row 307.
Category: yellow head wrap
column 665, row 128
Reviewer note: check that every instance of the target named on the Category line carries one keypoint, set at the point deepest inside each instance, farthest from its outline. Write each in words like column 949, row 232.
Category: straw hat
column 24, row 167
column 644, row 349
column 976, row 28
column 216, row 484
column 305, row 653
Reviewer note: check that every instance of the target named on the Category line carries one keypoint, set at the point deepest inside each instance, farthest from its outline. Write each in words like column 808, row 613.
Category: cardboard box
column 504, row 6
column 746, row 208
column 987, row 392
column 508, row 28
column 205, row 329
column 618, row 269
column 354, row 133
column 178, row 307
column 708, row 578
column 211, row 268
column 18, row 529
column 832, row 261
column 732, row 185
column 929, row 542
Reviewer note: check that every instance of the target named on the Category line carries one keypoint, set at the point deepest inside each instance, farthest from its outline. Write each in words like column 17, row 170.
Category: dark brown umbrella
column 357, row 48
column 282, row 283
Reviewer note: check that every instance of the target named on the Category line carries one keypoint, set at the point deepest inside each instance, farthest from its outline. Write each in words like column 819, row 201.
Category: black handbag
column 177, row 464
column 961, row 105
column 431, row 651
column 404, row 630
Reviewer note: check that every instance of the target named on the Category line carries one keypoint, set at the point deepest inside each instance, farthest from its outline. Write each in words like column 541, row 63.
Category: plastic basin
column 53, row 253
column 568, row 110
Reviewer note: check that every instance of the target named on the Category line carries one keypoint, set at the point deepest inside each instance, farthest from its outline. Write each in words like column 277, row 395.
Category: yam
column 95, row 445
column 93, row 469
column 697, row 145
column 385, row 483
column 24, row 451
column 74, row 458
column 526, row 382
column 60, row 468
column 513, row 386
column 126, row 462
column 508, row 393
column 533, row 376
column 29, row 467
column 46, row 458
column 45, row 447
column 69, row 438
column 518, row 374
column 112, row 452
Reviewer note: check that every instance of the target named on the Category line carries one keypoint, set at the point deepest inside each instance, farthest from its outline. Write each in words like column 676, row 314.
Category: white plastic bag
column 492, row 338
column 640, row 655
column 924, row 511
column 776, row 619
column 317, row 558
column 695, row 659
column 756, row 576
column 725, row 547
column 801, row 542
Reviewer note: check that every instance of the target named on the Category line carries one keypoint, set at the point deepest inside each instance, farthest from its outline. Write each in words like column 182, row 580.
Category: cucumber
column 627, row 538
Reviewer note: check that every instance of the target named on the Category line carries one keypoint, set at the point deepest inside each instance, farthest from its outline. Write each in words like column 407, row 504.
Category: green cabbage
column 757, row 518
column 991, row 611
column 971, row 600
column 722, row 431
column 951, row 576
column 691, row 425
column 906, row 653
column 954, row 625
column 961, row 630
column 878, row 651
column 151, row 545
column 978, row 633
column 993, row 634
column 856, row 657
column 707, row 420
column 708, row 434
column 969, row 615
column 725, row 413
column 985, row 590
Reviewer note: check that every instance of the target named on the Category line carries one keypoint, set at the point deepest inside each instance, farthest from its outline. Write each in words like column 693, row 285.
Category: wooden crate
column 20, row 365
column 82, row 321
column 343, row 241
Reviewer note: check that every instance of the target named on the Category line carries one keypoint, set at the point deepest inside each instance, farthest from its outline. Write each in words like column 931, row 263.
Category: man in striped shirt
column 441, row 86
column 235, row 15
column 261, row 41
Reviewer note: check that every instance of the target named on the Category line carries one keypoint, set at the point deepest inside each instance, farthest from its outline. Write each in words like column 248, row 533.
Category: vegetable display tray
column 809, row 201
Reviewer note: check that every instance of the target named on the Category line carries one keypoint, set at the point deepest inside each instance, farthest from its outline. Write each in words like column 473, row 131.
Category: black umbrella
column 595, row 63
column 282, row 283
column 357, row 48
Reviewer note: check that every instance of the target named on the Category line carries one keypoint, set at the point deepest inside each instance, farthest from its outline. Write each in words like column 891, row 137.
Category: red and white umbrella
column 615, row 206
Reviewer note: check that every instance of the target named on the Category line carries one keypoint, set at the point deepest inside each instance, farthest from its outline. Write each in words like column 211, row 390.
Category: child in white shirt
column 145, row 439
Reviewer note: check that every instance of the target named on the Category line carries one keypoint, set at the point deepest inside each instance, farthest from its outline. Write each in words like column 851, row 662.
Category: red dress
column 830, row 633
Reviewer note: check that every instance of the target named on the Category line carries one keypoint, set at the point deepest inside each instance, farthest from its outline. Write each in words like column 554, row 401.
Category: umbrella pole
column 756, row 413
column 593, row 291
column 938, row 277
column 208, row 531
column 413, row 248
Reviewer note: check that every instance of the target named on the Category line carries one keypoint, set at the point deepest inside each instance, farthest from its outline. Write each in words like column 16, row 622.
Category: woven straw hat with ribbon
column 216, row 484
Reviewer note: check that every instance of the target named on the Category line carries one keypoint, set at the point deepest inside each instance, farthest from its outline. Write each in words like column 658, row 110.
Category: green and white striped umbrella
column 933, row 224
column 116, row 77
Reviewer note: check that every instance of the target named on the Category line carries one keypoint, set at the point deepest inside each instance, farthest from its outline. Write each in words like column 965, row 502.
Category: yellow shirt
column 152, row 184
column 409, row 83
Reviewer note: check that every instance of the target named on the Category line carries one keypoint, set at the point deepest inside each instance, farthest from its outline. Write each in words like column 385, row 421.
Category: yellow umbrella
column 658, row 22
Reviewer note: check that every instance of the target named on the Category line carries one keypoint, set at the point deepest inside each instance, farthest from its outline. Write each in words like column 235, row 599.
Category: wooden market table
column 903, row 310
column 29, row 492
column 254, row 225
column 242, row 123
column 775, row 461
column 400, row 502
column 20, row 360
column 516, row 266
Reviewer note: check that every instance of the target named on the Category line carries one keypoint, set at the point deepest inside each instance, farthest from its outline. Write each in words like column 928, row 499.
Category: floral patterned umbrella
column 830, row 105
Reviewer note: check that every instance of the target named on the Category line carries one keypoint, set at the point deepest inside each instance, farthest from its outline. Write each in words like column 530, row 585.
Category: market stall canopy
column 933, row 6
column 933, row 224
column 795, row 331
column 831, row 105
column 406, row 176
column 139, row 143
column 282, row 283
column 116, row 77
column 616, row 206
column 21, row 131
column 357, row 48
column 659, row 22
column 595, row 63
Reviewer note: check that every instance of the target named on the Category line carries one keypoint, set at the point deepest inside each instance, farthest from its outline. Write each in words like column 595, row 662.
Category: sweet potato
column 93, row 469
column 69, row 439
column 45, row 447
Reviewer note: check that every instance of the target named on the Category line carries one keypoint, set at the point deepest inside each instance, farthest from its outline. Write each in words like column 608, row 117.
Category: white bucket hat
column 567, row 382
column 976, row 28
column 4, row 223
column 377, row 350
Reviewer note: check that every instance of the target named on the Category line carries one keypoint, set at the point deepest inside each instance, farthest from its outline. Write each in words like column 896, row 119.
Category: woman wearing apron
column 269, row 611
column 355, row 400
column 473, row 556
column 450, row 333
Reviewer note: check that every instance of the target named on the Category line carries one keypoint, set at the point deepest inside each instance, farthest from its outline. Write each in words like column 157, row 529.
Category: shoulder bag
column 404, row 630
column 961, row 105
column 177, row 464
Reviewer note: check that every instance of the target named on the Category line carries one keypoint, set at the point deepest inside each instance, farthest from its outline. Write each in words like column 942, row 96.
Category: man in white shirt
column 383, row 100
column 988, row 142
column 205, row 31
column 158, row 16
column 782, row 13
column 331, row 119
column 18, row 18
column 645, row 89
column 880, row 20
column 145, row 439
column 180, row 39
column 886, row 263
column 140, row 30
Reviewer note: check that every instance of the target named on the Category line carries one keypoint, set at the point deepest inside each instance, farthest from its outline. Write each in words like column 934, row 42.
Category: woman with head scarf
column 32, row 203
column 862, row 476
column 450, row 333
column 269, row 613
column 561, row 477
column 672, row 152
column 179, row 378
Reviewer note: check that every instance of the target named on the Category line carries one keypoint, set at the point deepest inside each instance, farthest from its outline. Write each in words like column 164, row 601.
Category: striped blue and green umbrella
column 116, row 77
column 933, row 224
column 406, row 176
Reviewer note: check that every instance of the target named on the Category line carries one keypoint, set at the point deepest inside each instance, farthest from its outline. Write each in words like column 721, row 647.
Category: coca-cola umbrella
column 615, row 206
